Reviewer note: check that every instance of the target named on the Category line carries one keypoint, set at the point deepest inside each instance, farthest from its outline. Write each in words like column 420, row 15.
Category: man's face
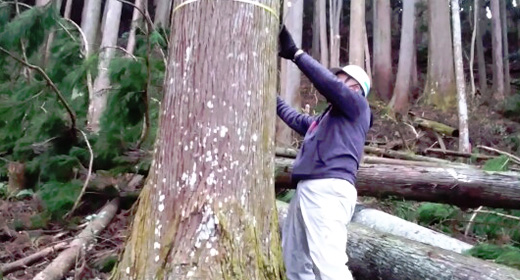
column 351, row 83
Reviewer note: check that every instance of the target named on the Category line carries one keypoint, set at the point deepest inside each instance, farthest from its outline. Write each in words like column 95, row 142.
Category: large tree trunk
column 162, row 13
column 324, row 46
column 335, row 7
column 465, row 187
column 383, row 76
column 399, row 102
column 136, row 17
column 290, row 74
column 498, row 65
column 440, row 89
column 379, row 255
column 90, row 22
column 207, row 210
column 356, row 38
column 505, row 47
column 98, row 101
column 461, row 81
column 482, row 76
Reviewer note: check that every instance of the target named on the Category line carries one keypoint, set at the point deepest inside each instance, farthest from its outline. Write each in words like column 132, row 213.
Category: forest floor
column 21, row 232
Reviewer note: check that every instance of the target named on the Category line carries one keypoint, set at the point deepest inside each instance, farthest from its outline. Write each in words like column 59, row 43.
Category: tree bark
column 505, row 47
column 464, row 145
column 162, row 13
column 472, row 49
column 498, row 65
column 440, row 89
column 375, row 254
column 136, row 17
column 90, row 22
column 357, row 26
column 383, row 77
column 207, row 210
column 482, row 76
column 464, row 187
column 290, row 74
column 324, row 46
column 98, row 101
column 400, row 102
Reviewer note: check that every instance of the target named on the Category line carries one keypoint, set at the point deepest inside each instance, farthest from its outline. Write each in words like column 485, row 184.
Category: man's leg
column 327, row 207
column 298, row 263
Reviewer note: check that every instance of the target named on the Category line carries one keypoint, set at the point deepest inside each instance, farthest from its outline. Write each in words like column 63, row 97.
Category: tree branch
column 91, row 161
column 49, row 82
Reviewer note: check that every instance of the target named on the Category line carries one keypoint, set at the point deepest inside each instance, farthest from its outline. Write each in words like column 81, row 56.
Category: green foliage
column 500, row 163
column 58, row 198
column 286, row 195
column 502, row 254
column 35, row 127
column 434, row 213
column 512, row 107
column 3, row 190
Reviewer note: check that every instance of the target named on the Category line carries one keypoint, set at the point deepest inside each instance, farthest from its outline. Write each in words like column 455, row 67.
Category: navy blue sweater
column 334, row 141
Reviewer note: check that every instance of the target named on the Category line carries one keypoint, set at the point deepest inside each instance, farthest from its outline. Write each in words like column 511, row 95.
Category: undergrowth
column 35, row 128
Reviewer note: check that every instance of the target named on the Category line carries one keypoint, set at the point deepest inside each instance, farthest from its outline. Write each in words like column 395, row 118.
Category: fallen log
column 377, row 255
column 63, row 263
column 464, row 187
column 24, row 262
column 385, row 222
column 435, row 126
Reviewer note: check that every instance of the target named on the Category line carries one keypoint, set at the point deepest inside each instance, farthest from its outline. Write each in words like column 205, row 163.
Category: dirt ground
column 17, row 240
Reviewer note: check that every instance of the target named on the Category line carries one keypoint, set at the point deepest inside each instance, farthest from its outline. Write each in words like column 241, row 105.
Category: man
column 314, row 236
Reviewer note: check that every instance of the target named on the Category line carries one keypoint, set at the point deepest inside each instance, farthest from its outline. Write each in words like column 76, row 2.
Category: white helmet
column 358, row 74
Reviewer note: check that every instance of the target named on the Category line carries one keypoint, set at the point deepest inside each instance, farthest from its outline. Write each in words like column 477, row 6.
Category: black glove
column 287, row 47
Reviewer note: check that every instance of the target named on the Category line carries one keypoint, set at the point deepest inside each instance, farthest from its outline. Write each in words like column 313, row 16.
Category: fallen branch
column 57, row 269
column 402, row 155
column 479, row 210
column 472, row 221
column 91, row 161
column 456, row 153
column 512, row 157
column 23, row 263
column 49, row 82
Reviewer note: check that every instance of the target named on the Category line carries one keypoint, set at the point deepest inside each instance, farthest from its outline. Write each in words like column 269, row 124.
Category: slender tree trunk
column 290, row 74
column 98, row 101
column 335, row 7
column 461, row 81
column 472, row 51
column 498, row 65
column 440, row 88
column 207, row 210
column 357, row 26
column 400, row 99
column 162, row 13
column 324, row 46
column 316, row 30
column 505, row 47
column 383, row 77
column 136, row 17
column 482, row 76
column 68, row 8
column 90, row 22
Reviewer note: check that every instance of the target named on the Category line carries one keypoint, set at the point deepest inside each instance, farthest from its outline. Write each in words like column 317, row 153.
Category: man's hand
column 287, row 47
